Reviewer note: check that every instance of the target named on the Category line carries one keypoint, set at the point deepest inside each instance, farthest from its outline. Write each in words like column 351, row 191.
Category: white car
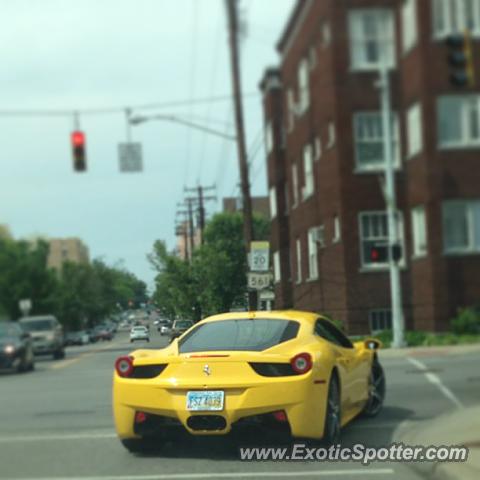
column 165, row 330
column 139, row 333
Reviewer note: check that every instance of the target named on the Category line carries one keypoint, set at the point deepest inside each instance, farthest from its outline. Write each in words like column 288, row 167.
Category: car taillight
column 301, row 363
column 124, row 366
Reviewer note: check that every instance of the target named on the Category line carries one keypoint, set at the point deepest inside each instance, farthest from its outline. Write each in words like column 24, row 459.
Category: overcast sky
column 67, row 55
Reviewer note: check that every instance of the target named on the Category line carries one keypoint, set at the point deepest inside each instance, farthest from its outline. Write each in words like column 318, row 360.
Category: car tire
column 138, row 445
column 331, row 435
column 376, row 390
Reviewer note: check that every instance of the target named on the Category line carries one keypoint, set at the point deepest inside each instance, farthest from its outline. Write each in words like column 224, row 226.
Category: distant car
column 179, row 327
column 16, row 348
column 139, row 332
column 164, row 328
column 47, row 335
column 102, row 332
column 77, row 338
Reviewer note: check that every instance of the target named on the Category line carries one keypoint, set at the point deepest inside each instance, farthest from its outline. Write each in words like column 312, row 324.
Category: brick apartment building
column 66, row 250
column 325, row 159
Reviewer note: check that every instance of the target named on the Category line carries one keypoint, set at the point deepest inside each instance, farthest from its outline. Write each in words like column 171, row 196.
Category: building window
column 415, row 130
column 290, row 110
column 372, row 38
column 331, row 135
column 309, row 186
column 303, row 86
column 455, row 16
column 380, row 320
column 368, row 131
column 459, row 121
column 461, row 226
column 318, row 148
column 312, row 58
column 326, row 34
column 269, row 137
column 277, row 274
column 337, row 234
column 409, row 23
column 419, row 232
column 295, row 185
column 298, row 246
column 374, row 235
column 273, row 202
column 313, row 243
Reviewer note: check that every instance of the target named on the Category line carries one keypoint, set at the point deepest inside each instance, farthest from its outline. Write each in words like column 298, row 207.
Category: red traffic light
column 78, row 138
column 78, row 147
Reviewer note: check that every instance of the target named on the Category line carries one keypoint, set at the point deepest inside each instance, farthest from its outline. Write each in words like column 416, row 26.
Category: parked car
column 77, row 338
column 139, row 332
column 179, row 327
column 102, row 332
column 47, row 335
column 16, row 348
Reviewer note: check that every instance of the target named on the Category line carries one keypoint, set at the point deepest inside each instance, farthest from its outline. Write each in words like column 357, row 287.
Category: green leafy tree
column 215, row 280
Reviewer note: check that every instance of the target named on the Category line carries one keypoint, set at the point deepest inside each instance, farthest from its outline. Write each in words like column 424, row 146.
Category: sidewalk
column 460, row 427
column 429, row 351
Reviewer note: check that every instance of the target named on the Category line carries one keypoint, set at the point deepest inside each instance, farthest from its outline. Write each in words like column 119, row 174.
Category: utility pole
column 182, row 229
column 201, row 199
column 391, row 202
column 242, row 151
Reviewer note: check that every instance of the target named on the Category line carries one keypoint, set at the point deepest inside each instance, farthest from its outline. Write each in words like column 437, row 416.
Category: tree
column 215, row 280
column 24, row 274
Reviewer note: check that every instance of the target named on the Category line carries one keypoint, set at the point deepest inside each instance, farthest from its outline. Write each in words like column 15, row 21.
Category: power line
column 214, row 71
column 68, row 112
column 193, row 67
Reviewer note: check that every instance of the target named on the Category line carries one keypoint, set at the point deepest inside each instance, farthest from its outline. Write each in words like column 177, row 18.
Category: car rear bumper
column 303, row 402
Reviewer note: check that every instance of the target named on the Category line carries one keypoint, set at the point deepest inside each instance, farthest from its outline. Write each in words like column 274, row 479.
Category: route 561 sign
column 260, row 256
column 259, row 281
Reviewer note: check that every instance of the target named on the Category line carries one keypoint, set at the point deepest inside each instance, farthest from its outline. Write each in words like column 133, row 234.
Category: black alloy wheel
column 333, row 414
column 376, row 390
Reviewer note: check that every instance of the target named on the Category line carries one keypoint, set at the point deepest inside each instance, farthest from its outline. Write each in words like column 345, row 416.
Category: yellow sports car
column 282, row 369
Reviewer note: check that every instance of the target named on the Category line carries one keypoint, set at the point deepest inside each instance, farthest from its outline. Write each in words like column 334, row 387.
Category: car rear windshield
column 240, row 335
column 38, row 325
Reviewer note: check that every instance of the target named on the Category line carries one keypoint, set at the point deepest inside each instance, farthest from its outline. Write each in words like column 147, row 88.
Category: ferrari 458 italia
column 293, row 369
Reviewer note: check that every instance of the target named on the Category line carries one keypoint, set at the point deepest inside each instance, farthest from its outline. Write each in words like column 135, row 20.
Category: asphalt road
column 56, row 423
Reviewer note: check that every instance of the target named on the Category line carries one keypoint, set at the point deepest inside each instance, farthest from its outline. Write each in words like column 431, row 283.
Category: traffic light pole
column 391, row 204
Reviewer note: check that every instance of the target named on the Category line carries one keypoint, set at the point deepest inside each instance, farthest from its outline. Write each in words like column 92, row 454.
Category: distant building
column 66, row 250
column 260, row 205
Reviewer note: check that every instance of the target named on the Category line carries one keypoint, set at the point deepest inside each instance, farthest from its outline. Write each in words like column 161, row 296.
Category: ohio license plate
column 205, row 401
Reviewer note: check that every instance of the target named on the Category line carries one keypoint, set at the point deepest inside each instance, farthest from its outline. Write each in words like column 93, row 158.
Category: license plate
column 205, row 401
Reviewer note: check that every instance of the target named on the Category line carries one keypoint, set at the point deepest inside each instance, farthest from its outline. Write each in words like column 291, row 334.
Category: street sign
column 25, row 306
column 130, row 157
column 267, row 295
column 260, row 256
column 259, row 281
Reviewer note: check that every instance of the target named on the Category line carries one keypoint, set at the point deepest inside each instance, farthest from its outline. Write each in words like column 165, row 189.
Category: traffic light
column 378, row 253
column 78, row 148
column 460, row 59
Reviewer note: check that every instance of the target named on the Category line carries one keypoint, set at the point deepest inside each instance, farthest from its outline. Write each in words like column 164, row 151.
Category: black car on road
column 16, row 348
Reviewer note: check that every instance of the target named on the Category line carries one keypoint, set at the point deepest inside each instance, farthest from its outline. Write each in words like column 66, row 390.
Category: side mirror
column 372, row 344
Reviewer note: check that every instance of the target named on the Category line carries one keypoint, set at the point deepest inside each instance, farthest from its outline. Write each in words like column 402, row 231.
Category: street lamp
column 139, row 119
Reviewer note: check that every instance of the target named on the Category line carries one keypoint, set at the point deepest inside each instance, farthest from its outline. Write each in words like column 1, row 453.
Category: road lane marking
column 81, row 356
column 435, row 380
column 57, row 437
column 179, row 476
